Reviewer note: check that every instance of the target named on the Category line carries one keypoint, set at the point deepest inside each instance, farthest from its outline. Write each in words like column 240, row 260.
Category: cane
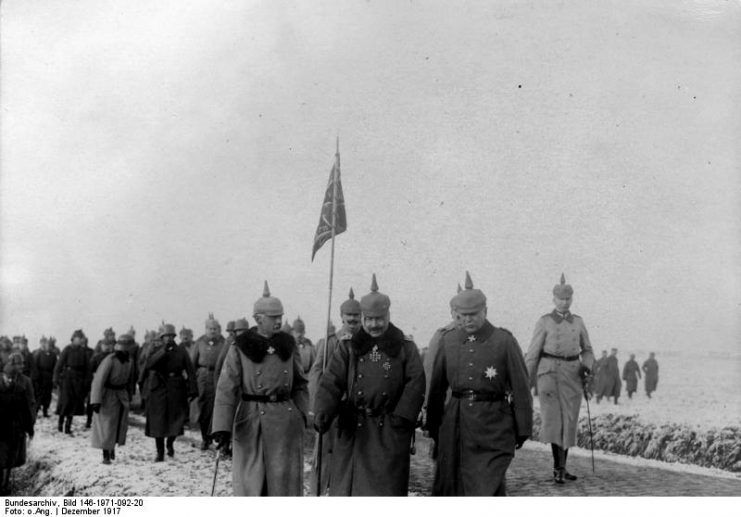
column 216, row 470
column 589, row 421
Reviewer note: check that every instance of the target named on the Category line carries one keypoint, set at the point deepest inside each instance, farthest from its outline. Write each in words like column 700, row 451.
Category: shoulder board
column 343, row 336
column 576, row 316
column 547, row 314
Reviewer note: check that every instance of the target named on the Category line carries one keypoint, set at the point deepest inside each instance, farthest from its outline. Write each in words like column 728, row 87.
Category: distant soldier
column 45, row 360
column 230, row 333
column 436, row 340
column 305, row 346
column 286, row 328
column 240, row 327
column 133, row 349
column 150, row 337
column 106, row 347
column 651, row 370
column 204, row 355
column 110, row 399
column 72, row 375
column 561, row 356
column 374, row 385
column 261, row 408
column 631, row 374
column 17, row 407
column 610, row 378
column 186, row 339
column 350, row 314
column 490, row 410
column 53, row 346
column 28, row 363
column 169, row 383
column 599, row 379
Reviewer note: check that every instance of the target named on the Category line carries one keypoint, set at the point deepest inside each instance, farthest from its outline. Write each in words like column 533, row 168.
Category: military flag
column 333, row 215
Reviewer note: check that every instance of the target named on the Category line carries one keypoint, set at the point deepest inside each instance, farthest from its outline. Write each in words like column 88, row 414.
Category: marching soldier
column 631, row 374
column 169, row 383
column 651, row 369
column 261, row 408
column 45, row 361
column 110, row 399
column 230, row 332
column 610, row 384
column 17, row 406
column 374, row 385
column 204, row 355
column 186, row 339
column 561, row 356
column 350, row 314
column 240, row 327
column 489, row 414
column 72, row 375
column 305, row 346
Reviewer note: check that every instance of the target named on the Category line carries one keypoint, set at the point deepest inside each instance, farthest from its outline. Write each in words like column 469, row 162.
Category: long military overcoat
column 631, row 374
column 111, row 387
column 72, row 373
column 476, row 438
column 17, row 414
column 205, row 354
column 610, row 384
column 560, row 388
column 267, row 437
column 375, row 387
column 43, row 383
column 169, row 381
column 651, row 371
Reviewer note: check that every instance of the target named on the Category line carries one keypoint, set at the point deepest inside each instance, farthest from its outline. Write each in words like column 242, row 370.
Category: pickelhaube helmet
column 374, row 303
column 452, row 300
column 230, row 326
column 351, row 305
column 241, row 324
column 186, row 332
column 211, row 321
column 286, row 328
column 469, row 299
column 562, row 289
column 78, row 334
column 267, row 304
column 298, row 325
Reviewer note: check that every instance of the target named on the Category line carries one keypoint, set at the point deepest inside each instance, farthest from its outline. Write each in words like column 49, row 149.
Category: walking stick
column 216, row 470
column 589, row 420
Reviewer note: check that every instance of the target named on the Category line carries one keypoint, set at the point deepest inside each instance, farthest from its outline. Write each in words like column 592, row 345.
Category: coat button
column 361, row 360
column 360, row 376
column 289, row 408
column 470, row 350
column 258, row 372
column 262, row 412
column 386, row 376
column 470, row 364
column 383, row 394
column 360, row 392
column 285, row 384
column 360, row 424
column 470, row 378
column 259, row 386
column 285, row 371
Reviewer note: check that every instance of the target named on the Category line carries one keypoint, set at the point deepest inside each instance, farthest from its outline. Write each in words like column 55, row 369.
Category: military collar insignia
column 480, row 335
column 471, row 338
column 256, row 347
column 490, row 373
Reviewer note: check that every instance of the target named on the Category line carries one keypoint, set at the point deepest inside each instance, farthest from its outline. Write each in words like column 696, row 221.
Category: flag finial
column 563, row 279
column 459, row 287
column 352, row 294
column 374, row 284
column 469, row 282
column 266, row 290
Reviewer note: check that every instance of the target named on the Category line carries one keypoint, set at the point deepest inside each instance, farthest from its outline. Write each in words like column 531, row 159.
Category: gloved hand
column 321, row 423
column 520, row 440
column 584, row 372
column 222, row 438
column 95, row 408
column 30, row 434
column 400, row 422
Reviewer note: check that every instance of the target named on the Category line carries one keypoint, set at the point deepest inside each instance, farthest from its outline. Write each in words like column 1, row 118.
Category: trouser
column 67, row 421
column 160, row 444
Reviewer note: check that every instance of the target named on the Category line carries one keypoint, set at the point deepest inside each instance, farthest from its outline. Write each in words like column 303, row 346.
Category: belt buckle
column 273, row 398
column 469, row 395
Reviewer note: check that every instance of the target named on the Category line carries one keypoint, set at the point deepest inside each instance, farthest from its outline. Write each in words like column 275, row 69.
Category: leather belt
column 369, row 412
column 478, row 396
column 560, row 357
column 278, row 397
column 110, row 386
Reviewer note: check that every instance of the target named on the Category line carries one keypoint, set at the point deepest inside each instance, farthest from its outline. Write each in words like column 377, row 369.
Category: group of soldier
column 365, row 389
column 607, row 382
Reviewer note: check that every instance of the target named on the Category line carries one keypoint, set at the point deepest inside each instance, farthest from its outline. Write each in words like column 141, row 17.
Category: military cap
column 78, row 333
column 43, row 340
column 268, row 305
column 131, row 331
column 125, row 338
column 241, row 324
column 374, row 303
column 351, row 305
column 186, row 332
column 563, row 290
column 230, row 326
column 109, row 332
column 167, row 330
column 298, row 325
column 469, row 299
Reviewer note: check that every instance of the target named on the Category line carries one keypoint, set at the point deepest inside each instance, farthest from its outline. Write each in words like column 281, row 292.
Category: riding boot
column 106, row 457
column 170, row 446
column 68, row 425
column 61, row 423
column 160, row 443
column 112, row 453
column 558, row 476
column 566, row 474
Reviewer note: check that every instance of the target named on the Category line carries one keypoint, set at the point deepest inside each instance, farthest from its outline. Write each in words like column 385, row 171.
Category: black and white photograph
column 360, row 248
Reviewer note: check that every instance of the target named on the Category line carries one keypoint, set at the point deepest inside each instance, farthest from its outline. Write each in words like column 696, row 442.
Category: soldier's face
column 168, row 339
column 77, row 341
column 472, row 321
column 185, row 339
column 212, row 330
column 351, row 321
column 269, row 325
column 376, row 325
column 562, row 304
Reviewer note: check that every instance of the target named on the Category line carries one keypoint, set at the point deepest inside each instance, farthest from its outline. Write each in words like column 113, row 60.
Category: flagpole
column 335, row 172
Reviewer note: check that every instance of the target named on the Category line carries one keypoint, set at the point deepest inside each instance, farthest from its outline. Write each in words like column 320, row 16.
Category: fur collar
column 389, row 343
column 255, row 346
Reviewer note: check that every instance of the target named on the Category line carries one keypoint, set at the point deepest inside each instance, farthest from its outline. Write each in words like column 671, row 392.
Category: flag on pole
column 334, row 193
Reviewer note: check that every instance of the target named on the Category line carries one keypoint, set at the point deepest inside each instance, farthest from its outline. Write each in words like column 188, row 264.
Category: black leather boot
column 106, row 457
column 113, row 454
column 160, row 442
column 170, row 446
column 68, row 425
column 61, row 423
column 558, row 476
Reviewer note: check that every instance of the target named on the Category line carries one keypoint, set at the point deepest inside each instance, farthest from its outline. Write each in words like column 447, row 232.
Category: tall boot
column 46, row 411
column 566, row 474
column 113, row 453
column 558, row 464
column 160, row 443
column 170, row 446
column 106, row 457
column 68, row 425
column 61, row 423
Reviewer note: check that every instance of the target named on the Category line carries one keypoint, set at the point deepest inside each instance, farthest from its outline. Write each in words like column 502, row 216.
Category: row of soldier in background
column 607, row 381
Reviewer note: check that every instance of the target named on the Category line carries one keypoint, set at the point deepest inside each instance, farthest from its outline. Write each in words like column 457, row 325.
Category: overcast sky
column 160, row 160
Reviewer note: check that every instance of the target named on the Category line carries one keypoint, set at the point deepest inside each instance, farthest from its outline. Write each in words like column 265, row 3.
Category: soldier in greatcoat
column 72, row 375
column 17, row 416
column 106, row 347
column 261, row 406
column 150, row 336
column 169, row 383
column 306, row 348
column 489, row 413
column 651, row 370
column 374, row 385
column 434, row 345
column 45, row 361
column 110, row 399
column 204, row 354
column 350, row 314
column 561, row 356
column 631, row 374
column 610, row 383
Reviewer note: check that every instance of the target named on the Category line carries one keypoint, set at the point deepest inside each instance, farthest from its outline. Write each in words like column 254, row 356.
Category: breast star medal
column 375, row 355
column 490, row 373
column 271, row 350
